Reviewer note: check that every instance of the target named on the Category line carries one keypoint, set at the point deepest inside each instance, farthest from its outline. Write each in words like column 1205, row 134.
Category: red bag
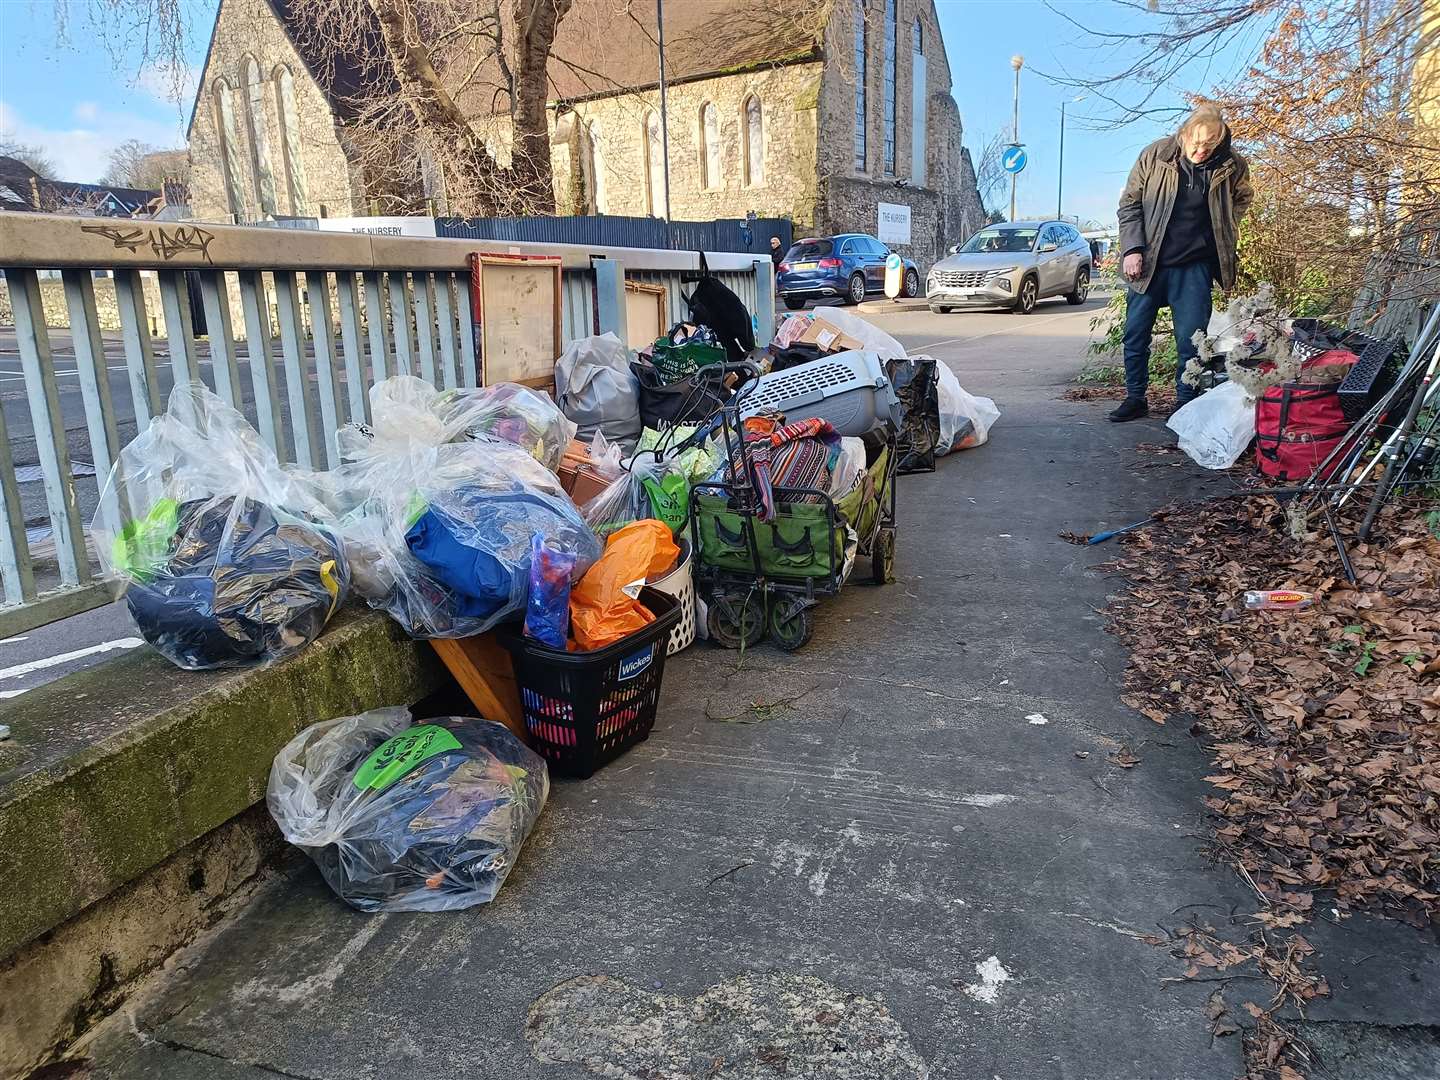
column 1297, row 424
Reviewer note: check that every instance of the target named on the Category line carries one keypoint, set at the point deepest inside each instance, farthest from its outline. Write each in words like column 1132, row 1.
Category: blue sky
column 80, row 97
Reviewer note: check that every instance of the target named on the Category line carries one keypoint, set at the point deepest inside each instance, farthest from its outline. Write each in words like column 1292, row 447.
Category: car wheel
column 794, row 303
column 1081, row 292
column 1029, row 293
column 912, row 284
column 855, row 292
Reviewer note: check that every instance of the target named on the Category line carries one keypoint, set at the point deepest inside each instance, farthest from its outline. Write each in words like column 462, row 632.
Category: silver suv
column 1012, row 265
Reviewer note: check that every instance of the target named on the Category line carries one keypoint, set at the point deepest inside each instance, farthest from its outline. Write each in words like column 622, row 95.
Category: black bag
column 793, row 355
column 917, row 384
column 714, row 305
column 690, row 400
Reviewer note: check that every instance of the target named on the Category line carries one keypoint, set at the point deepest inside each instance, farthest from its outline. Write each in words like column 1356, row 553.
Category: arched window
column 754, row 143
column 709, row 147
column 654, row 167
column 889, row 87
column 229, row 132
column 918, row 42
column 289, row 116
column 259, row 137
column 860, row 74
column 593, row 165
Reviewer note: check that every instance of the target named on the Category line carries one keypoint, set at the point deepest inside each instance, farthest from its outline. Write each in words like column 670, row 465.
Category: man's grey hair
column 1203, row 116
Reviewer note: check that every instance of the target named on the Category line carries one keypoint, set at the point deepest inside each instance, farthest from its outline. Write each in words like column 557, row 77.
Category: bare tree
column 136, row 164
column 1333, row 104
column 435, row 76
column 28, row 154
column 990, row 174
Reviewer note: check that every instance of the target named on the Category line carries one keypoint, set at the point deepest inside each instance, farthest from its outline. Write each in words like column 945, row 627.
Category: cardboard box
column 827, row 338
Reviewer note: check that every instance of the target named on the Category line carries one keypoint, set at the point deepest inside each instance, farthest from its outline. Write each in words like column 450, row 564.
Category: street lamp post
column 1060, row 181
column 1017, row 62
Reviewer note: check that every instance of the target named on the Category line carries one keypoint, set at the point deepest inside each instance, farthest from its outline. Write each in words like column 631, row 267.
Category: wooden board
column 516, row 304
column 482, row 668
column 646, row 309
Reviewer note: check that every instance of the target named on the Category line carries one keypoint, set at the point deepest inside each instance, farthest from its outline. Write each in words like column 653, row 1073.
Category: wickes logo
column 632, row 666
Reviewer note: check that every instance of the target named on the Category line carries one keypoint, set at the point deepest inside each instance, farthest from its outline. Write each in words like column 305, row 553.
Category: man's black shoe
column 1130, row 409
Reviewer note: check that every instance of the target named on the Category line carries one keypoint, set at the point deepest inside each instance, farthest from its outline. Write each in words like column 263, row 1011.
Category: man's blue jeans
column 1185, row 290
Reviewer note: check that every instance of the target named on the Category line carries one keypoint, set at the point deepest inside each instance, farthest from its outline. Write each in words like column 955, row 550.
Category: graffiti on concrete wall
column 166, row 243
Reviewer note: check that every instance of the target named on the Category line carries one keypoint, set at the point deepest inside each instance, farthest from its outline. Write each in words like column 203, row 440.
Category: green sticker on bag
column 395, row 757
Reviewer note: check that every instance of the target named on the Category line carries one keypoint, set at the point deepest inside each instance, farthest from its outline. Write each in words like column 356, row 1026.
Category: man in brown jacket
column 1179, row 221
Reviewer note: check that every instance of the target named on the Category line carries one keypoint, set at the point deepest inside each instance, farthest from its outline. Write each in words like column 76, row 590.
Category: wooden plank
column 646, row 307
column 482, row 667
column 517, row 307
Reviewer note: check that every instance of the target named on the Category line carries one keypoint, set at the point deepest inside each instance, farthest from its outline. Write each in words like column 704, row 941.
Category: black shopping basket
column 584, row 709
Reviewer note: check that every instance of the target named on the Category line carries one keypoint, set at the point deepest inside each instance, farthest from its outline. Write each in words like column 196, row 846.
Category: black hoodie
column 1189, row 236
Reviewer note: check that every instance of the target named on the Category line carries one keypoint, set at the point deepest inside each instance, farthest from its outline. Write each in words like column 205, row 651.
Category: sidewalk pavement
column 904, row 851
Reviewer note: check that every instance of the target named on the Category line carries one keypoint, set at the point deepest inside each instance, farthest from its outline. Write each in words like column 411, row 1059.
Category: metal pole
column 1060, row 170
column 1017, row 62
column 664, row 114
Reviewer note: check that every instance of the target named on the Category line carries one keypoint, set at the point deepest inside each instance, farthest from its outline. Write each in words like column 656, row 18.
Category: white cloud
column 167, row 83
column 87, row 112
column 82, row 152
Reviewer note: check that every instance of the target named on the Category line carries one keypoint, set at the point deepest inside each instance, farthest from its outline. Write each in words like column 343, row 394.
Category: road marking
column 64, row 658
column 1031, row 321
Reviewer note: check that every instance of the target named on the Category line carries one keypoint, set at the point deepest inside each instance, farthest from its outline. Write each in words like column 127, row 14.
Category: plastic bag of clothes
column 1216, row 427
column 515, row 414
column 223, row 557
column 402, row 817
column 596, row 389
column 965, row 419
column 410, row 410
column 650, row 488
column 441, row 535
column 605, row 607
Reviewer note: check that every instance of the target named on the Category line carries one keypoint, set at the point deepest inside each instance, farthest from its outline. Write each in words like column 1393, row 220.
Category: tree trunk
column 472, row 176
column 538, row 21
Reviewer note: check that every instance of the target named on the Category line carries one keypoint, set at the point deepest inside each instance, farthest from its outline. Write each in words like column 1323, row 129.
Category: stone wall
column 942, row 207
column 323, row 182
column 788, row 97
column 107, row 310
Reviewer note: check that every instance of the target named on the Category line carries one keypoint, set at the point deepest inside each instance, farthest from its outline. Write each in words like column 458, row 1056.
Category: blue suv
column 848, row 266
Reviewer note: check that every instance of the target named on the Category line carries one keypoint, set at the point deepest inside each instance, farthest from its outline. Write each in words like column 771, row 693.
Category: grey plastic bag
column 596, row 390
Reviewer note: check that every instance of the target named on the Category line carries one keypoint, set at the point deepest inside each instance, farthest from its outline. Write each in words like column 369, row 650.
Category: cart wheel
column 791, row 624
column 882, row 561
column 736, row 622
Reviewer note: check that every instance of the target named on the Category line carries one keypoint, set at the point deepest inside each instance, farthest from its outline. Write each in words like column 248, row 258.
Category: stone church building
column 821, row 111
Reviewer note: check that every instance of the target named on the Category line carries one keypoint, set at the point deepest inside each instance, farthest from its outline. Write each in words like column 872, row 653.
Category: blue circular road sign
column 1013, row 160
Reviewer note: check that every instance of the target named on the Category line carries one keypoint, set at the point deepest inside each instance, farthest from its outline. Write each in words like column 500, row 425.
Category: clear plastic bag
column 547, row 609
column 225, row 559
column 965, row 419
column 429, row 817
column 515, row 414
column 1216, row 427
column 442, row 533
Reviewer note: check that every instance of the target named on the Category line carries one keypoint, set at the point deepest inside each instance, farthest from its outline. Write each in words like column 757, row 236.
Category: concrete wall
column 249, row 28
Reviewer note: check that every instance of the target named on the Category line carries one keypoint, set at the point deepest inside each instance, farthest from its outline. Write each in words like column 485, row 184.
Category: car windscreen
column 1001, row 240
column 809, row 250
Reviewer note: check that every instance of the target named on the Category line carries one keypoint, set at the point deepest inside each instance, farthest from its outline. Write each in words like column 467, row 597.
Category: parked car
column 849, row 266
column 1013, row 265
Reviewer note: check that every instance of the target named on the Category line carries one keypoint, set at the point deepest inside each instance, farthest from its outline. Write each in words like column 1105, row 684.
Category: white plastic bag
column 1216, row 427
column 429, row 817
column 596, row 388
column 871, row 338
column 965, row 419
column 849, row 466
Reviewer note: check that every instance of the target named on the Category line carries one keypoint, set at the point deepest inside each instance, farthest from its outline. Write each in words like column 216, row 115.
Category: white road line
column 6, row 695
column 1031, row 321
column 64, row 658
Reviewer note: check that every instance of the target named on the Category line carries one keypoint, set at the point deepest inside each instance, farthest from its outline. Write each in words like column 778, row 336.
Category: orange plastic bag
column 603, row 606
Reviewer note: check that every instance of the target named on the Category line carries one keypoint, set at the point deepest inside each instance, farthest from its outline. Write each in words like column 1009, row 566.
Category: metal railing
column 298, row 326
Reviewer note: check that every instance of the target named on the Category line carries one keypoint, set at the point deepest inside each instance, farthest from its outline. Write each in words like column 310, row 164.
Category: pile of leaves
column 1324, row 724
